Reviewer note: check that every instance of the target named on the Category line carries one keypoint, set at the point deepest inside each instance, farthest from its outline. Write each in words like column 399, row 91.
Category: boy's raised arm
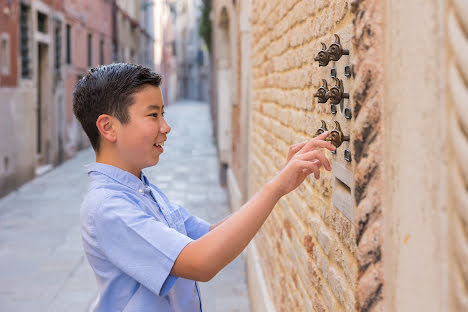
column 202, row 259
column 213, row 226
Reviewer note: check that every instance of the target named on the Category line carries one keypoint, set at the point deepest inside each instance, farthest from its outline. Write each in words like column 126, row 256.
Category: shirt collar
column 119, row 175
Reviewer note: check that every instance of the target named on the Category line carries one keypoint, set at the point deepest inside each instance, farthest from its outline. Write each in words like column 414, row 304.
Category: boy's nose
column 165, row 128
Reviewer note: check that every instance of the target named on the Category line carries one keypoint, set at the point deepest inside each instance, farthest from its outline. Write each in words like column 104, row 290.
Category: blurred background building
column 47, row 46
column 191, row 54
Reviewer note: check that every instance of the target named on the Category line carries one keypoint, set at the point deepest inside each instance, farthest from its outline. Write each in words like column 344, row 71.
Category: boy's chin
column 155, row 161
column 151, row 163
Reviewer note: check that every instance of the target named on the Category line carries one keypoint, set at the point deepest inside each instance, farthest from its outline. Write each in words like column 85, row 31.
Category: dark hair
column 109, row 89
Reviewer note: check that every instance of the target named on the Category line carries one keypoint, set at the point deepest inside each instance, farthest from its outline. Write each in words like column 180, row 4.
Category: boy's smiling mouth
column 159, row 146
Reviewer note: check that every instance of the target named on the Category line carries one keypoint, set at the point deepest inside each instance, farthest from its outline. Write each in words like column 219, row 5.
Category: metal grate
column 58, row 47
column 24, row 41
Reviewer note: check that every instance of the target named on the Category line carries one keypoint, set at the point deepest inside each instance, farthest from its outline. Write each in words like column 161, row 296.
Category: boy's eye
column 156, row 114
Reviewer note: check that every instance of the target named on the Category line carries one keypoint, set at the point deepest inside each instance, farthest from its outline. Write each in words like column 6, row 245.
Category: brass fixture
column 321, row 93
column 322, row 57
column 335, row 94
column 335, row 50
column 322, row 129
column 336, row 136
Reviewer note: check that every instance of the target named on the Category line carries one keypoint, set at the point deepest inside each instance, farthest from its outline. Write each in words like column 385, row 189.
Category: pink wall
column 97, row 20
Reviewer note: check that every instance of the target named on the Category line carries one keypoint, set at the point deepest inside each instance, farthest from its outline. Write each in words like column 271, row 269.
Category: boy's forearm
column 213, row 226
column 205, row 257
column 225, row 242
column 202, row 259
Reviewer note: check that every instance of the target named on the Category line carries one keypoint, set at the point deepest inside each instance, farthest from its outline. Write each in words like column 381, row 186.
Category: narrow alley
column 42, row 264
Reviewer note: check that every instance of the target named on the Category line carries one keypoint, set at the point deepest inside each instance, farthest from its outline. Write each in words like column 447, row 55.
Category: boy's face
column 138, row 140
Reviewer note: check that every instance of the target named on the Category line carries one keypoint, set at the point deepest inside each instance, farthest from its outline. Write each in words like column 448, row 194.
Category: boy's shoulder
column 110, row 192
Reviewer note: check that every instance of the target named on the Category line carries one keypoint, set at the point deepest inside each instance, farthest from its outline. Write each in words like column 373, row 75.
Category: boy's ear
column 106, row 126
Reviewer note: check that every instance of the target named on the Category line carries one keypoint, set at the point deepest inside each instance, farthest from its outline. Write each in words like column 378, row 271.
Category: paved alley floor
column 42, row 263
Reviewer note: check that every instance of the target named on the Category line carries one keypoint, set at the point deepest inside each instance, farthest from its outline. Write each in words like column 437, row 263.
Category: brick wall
column 9, row 26
column 307, row 247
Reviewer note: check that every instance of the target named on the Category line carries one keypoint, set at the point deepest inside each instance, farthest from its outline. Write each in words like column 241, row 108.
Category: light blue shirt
column 132, row 236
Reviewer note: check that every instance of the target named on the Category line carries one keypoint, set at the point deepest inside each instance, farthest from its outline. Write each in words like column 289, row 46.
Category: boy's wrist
column 274, row 189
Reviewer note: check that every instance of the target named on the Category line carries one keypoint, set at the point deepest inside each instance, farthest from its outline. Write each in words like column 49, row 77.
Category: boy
column 147, row 253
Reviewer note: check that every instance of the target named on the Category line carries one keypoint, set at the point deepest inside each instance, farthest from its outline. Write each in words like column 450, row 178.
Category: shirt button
column 140, row 190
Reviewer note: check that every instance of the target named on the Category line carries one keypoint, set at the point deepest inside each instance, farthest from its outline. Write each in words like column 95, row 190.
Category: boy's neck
column 104, row 158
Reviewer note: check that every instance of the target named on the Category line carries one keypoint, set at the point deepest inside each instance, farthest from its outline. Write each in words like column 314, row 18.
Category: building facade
column 135, row 32
column 164, row 49
column 88, row 24
column 190, row 52
column 31, row 89
column 45, row 48
column 386, row 228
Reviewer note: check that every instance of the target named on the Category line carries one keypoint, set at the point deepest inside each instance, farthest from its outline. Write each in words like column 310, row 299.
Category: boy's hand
column 203, row 258
column 303, row 159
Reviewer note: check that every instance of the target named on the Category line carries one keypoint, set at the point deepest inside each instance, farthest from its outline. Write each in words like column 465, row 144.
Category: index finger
column 322, row 136
column 296, row 147
column 318, row 142
column 315, row 144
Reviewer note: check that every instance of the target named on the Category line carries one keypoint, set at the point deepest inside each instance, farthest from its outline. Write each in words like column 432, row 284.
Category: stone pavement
column 42, row 264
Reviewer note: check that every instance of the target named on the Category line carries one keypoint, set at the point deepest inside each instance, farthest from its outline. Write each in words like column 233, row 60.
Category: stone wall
column 307, row 247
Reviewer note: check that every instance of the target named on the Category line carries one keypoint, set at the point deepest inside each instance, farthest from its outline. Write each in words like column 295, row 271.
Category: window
column 42, row 22
column 5, row 54
column 68, row 43
column 115, row 53
column 24, row 42
column 90, row 50
column 200, row 57
column 101, row 51
column 58, row 46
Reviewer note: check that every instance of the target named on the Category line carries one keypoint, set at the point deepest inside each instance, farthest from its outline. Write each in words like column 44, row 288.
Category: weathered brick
column 305, row 234
column 325, row 239
column 330, row 299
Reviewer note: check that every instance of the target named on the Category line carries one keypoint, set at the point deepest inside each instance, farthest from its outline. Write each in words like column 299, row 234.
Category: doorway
column 42, row 143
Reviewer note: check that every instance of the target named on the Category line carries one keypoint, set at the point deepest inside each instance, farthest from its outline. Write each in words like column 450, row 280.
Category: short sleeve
column 138, row 244
column 195, row 226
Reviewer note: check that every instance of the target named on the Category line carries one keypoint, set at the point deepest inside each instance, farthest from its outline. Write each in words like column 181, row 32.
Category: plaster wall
column 457, row 137
column 17, row 149
column 415, row 156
